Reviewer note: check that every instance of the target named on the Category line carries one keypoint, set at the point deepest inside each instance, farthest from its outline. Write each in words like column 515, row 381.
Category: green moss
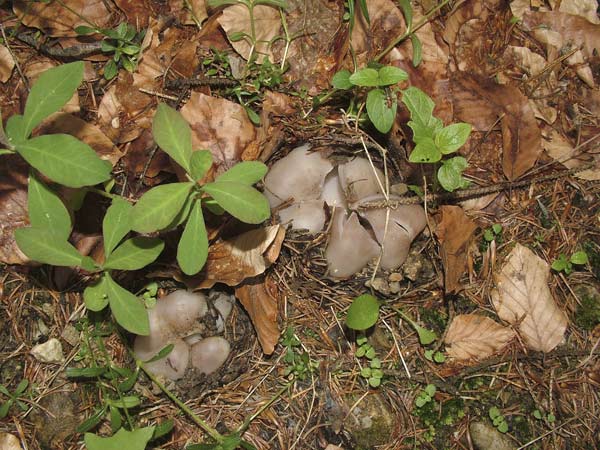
column 440, row 423
column 587, row 315
column 593, row 252
column 434, row 319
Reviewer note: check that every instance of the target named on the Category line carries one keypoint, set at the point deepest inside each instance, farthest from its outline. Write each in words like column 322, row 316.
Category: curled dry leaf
column 267, row 25
column 479, row 101
column 260, row 298
column 13, row 207
column 559, row 148
column 212, row 120
column 522, row 297
column 231, row 261
column 189, row 12
column 7, row 64
column 454, row 231
column 472, row 336
column 58, row 20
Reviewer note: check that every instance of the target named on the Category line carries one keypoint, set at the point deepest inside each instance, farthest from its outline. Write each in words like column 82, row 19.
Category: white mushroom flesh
column 209, row 354
column 332, row 190
column 308, row 215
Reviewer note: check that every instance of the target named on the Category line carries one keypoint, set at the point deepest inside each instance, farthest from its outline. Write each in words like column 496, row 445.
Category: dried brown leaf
column 13, row 207
column 245, row 256
column 583, row 8
column 213, row 121
column 57, row 20
column 454, row 231
column 267, row 25
column 522, row 297
column 189, row 12
column 472, row 336
column 560, row 149
column 260, row 299
column 7, row 64
column 138, row 12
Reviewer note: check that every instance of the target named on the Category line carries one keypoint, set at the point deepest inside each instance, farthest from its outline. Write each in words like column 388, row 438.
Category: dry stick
column 181, row 83
column 75, row 51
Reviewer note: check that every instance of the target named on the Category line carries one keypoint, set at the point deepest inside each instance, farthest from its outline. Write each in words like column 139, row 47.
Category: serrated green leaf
column 391, row 75
column 450, row 174
column 363, row 312
column 95, row 295
column 365, row 77
column 65, row 159
column 200, row 163
column 42, row 246
column 425, row 152
column 158, row 207
column 15, row 129
column 135, row 253
column 381, row 110
column 122, row 439
column 451, row 138
column 51, row 92
column 116, row 224
column 246, row 172
column 241, row 201
column 341, row 80
column 128, row 310
column 173, row 134
column 579, row 258
column 46, row 209
column 417, row 50
column 192, row 249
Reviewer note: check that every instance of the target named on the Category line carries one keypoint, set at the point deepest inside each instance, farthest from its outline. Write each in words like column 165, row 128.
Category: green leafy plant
column 61, row 157
column 498, row 419
column 435, row 356
column 298, row 362
column 169, row 205
column 550, row 418
column 125, row 44
column 425, row 396
column 363, row 312
column 564, row 264
column 13, row 398
column 492, row 233
column 426, row 336
column 373, row 372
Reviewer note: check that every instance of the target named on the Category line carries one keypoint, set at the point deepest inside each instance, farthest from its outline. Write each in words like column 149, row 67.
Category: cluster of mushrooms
column 303, row 183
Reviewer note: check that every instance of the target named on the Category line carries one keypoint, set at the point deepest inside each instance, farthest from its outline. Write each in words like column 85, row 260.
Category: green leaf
column 430, row 390
column 51, row 92
column 83, row 30
column 42, row 246
column 91, row 421
column 46, row 209
column 365, row 77
column 381, row 110
column 422, row 132
column 128, row 310
column 341, row 80
column 85, row 372
column 419, row 105
column 497, row 228
column 246, row 172
column 374, row 382
column 165, row 351
column 173, row 134
column 110, row 69
column 158, row 207
column 452, row 137
column 391, row 75
column 503, row 427
column 116, row 224
column 450, row 174
column 407, row 11
column 65, row 159
column 122, row 439
column 364, row 10
column 579, row 258
column 116, row 421
column 135, row 253
column 494, row 412
column 163, row 429
column 241, row 201
column 426, row 336
column 425, row 152
column 417, row 50
column 363, row 312
column 15, row 129
column 561, row 263
column 200, row 163
column 192, row 249
column 95, row 296
column 129, row 401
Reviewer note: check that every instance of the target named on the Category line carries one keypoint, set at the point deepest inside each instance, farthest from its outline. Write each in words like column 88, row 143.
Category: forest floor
column 486, row 338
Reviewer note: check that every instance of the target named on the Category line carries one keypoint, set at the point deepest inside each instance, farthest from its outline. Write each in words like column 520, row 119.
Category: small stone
column 395, row 287
column 49, row 352
column 40, row 330
column 395, row 276
column 486, row 437
column 70, row 335
column 48, row 309
column 333, row 447
column 9, row 442
column 379, row 284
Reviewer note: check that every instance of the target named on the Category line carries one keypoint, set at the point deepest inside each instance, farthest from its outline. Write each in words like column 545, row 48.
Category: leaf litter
column 529, row 90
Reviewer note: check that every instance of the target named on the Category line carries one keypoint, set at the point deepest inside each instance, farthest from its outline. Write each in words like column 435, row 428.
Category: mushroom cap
column 358, row 179
column 308, row 215
column 333, row 193
column 174, row 365
column 209, row 354
column 350, row 247
column 181, row 309
column 299, row 176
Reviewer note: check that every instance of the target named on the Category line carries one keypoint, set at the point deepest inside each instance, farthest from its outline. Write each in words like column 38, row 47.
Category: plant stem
column 412, row 30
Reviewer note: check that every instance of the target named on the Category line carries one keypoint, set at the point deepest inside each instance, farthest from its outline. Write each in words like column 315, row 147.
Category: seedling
column 425, row 396
column 149, row 294
column 373, row 373
column 298, row 362
column 61, row 157
column 426, row 336
column 564, row 264
column 124, row 42
column 492, row 233
column 13, row 398
column 498, row 419
column 437, row 357
column 550, row 418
